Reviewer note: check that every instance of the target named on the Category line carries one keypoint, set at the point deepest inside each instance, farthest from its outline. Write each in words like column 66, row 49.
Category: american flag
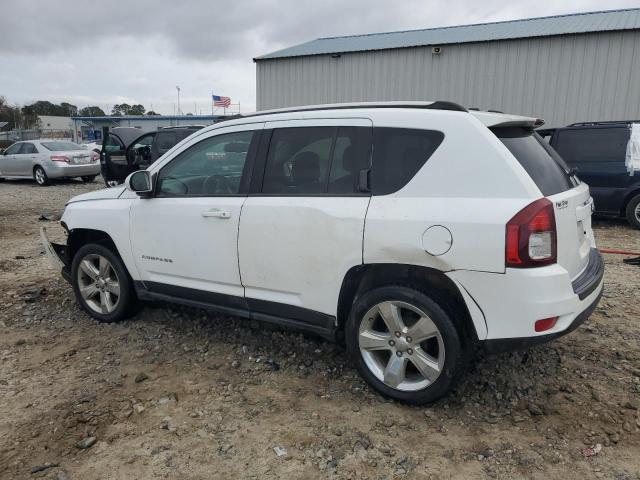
column 221, row 101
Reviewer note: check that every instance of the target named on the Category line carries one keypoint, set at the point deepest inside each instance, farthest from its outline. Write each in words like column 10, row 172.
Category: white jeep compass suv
column 413, row 232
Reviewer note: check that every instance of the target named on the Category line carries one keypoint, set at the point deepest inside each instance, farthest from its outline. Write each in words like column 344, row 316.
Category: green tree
column 92, row 111
column 120, row 109
column 68, row 110
column 136, row 110
column 151, row 112
column 9, row 113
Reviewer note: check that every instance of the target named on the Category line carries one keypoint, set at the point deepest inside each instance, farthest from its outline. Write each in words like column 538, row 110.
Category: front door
column 9, row 165
column 184, row 238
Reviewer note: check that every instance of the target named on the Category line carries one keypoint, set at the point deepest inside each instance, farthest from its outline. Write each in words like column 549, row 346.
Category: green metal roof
column 610, row 20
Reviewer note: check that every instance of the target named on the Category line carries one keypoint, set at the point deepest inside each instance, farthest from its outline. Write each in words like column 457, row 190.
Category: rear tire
column 633, row 212
column 101, row 283
column 413, row 353
column 88, row 178
column 40, row 176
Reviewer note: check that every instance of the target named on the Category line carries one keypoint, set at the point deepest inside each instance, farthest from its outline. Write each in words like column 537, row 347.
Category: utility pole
column 178, row 89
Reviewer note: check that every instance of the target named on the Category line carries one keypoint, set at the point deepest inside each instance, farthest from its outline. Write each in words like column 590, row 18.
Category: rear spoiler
column 529, row 122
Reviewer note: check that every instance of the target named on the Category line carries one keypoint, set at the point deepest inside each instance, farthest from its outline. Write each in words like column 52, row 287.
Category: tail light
column 60, row 158
column 95, row 157
column 531, row 236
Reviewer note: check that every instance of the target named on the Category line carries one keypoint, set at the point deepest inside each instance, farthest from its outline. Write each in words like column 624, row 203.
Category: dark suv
column 127, row 149
column 598, row 151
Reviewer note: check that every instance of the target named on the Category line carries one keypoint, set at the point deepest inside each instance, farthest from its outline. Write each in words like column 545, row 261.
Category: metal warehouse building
column 565, row 69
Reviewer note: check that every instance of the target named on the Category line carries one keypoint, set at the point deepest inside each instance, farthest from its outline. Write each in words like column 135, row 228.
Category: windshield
column 61, row 146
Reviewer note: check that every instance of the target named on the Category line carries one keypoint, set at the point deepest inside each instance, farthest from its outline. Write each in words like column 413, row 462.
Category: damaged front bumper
column 56, row 255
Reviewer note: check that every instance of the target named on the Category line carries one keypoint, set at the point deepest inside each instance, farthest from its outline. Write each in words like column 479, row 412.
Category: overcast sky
column 91, row 52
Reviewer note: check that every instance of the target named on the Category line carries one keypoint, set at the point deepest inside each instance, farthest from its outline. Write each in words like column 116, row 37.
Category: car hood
column 104, row 194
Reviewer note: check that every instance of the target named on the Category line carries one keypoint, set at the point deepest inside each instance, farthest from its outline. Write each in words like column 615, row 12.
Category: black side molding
column 589, row 280
column 288, row 316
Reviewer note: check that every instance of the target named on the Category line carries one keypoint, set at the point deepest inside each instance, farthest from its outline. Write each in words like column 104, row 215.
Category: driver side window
column 211, row 167
column 13, row 149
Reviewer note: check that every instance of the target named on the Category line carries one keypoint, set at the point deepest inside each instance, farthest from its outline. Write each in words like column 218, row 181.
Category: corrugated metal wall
column 562, row 79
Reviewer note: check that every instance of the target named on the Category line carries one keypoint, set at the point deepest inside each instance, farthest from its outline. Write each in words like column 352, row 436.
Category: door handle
column 216, row 213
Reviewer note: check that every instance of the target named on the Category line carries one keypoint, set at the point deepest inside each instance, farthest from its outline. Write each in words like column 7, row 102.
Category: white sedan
column 43, row 160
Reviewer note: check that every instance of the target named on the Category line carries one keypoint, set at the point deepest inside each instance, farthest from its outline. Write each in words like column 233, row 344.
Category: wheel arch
column 81, row 236
column 362, row 278
column 633, row 191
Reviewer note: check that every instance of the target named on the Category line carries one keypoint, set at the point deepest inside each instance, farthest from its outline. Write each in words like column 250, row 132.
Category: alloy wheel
column 40, row 176
column 98, row 284
column 637, row 212
column 401, row 346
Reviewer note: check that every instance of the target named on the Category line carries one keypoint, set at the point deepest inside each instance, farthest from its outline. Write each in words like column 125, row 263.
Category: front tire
column 88, row 178
column 633, row 212
column 404, row 344
column 101, row 283
column 40, row 176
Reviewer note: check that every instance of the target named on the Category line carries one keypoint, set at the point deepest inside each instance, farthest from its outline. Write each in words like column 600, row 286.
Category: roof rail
column 437, row 105
column 606, row 122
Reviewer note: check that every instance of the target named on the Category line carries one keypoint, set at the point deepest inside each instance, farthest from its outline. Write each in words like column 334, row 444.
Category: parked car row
column 596, row 151
column 411, row 232
column 43, row 160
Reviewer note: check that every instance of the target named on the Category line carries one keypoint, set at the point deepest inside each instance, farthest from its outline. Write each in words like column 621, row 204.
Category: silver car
column 44, row 160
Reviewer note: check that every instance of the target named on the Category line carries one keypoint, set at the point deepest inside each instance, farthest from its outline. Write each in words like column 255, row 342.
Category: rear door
column 570, row 197
column 26, row 158
column 302, row 226
column 598, row 154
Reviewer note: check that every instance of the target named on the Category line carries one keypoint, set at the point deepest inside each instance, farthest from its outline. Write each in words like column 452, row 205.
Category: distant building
column 52, row 122
column 88, row 129
column 565, row 69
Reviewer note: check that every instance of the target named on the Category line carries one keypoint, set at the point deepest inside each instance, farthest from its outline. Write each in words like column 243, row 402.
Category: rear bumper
column 512, row 302
column 59, row 170
column 510, row 344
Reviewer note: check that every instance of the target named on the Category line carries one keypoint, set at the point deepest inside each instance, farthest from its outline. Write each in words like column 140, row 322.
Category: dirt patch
column 221, row 393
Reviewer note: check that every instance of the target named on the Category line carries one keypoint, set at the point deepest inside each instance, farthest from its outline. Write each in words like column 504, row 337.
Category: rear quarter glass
column 545, row 167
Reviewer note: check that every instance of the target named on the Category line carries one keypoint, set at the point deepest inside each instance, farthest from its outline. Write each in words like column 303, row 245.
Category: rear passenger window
column 398, row 154
column 316, row 160
column 28, row 148
column 587, row 145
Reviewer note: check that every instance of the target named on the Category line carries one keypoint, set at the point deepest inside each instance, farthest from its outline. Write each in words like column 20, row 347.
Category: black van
column 127, row 149
column 597, row 151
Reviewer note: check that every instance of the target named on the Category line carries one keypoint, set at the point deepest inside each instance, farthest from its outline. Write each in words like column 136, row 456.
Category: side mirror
column 141, row 183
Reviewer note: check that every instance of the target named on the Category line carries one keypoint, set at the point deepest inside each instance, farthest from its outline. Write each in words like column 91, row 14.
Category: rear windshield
column 545, row 167
column 61, row 146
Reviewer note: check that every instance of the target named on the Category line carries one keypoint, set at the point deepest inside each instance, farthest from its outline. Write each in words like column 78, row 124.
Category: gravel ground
column 181, row 393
